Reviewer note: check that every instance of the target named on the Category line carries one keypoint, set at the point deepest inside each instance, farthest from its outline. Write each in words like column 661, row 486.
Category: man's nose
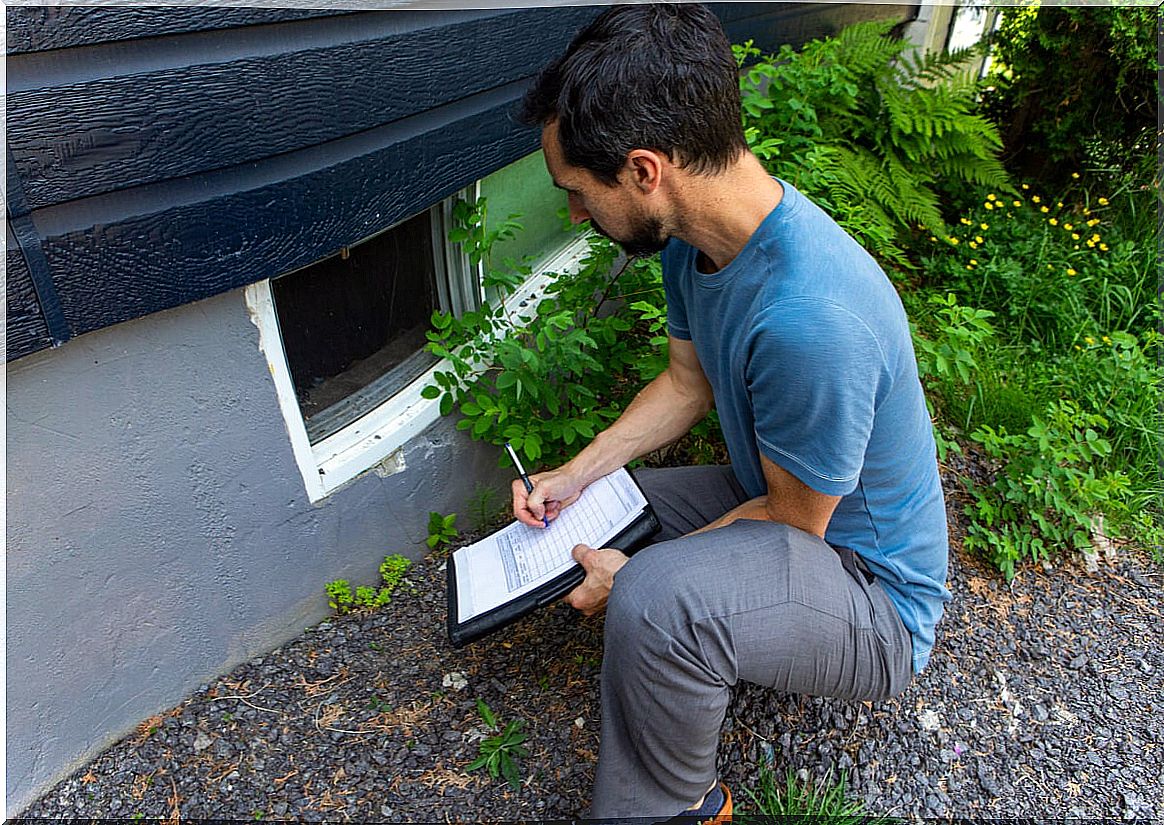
column 578, row 212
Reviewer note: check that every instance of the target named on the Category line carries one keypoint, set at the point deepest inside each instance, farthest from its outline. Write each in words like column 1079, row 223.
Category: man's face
column 615, row 212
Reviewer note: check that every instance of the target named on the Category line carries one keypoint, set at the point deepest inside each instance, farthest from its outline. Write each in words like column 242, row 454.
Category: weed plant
column 802, row 803
column 341, row 598
column 1065, row 394
column 499, row 754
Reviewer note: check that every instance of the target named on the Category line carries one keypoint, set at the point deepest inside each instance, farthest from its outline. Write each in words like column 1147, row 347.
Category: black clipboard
column 634, row 536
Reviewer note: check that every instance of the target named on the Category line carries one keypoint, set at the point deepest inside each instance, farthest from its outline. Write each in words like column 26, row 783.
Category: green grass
column 796, row 802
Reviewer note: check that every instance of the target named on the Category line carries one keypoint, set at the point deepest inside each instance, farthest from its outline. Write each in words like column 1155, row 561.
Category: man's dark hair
column 651, row 76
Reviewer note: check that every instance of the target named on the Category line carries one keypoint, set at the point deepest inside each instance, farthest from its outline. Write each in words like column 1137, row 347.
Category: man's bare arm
column 664, row 411
column 789, row 501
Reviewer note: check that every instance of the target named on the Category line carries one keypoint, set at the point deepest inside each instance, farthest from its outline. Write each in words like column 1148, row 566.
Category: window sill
column 373, row 440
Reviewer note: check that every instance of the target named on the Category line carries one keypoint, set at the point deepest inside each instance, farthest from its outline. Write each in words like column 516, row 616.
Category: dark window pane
column 353, row 329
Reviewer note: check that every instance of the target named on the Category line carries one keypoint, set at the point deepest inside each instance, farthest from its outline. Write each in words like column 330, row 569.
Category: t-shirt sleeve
column 677, row 324
column 814, row 372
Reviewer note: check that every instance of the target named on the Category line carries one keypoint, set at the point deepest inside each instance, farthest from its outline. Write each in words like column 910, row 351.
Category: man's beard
column 646, row 237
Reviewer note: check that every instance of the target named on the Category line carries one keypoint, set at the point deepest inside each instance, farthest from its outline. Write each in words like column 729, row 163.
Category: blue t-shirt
column 808, row 350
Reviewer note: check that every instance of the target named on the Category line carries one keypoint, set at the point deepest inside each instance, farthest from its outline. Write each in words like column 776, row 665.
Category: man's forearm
column 662, row 413
column 756, row 508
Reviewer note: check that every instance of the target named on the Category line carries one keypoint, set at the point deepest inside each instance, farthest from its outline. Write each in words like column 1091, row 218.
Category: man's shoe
column 724, row 815
column 699, row 816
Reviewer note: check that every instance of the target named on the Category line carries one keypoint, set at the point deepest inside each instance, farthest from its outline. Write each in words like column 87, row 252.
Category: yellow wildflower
column 978, row 238
column 1106, row 340
column 1088, row 340
column 932, row 238
column 1044, row 209
column 1059, row 205
column 972, row 245
column 984, row 226
column 1068, row 227
column 1090, row 243
column 969, row 267
column 1016, row 203
column 990, row 197
column 953, row 241
column 1075, row 175
column 1025, row 186
column 1035, row 199
column 988, row 205
column 1102, row 201
column 966, row 221
column 1103, row 247
column 1093, row 222
column 1070, row 271
column 1053, row 221
column 1095, row 237
column 1074, row 236
column 973, row 262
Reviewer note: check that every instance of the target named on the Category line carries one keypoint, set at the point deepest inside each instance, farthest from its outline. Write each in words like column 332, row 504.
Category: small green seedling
column 441, row 530
column 339, row 595
column 341, row 598
column 392, row 570
column 379, row 705
column 498, row 753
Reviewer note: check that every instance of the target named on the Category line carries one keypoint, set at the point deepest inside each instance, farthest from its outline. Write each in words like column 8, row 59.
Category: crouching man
column 815, row 563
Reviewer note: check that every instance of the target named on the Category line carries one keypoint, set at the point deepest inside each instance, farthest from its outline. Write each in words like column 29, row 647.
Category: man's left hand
column 600, row 566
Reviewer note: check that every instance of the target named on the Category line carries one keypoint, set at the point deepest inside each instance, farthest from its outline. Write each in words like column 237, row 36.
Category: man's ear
column 644, row 168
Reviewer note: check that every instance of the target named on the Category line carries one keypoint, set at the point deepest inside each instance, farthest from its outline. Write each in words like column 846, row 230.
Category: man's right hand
column 552, row 491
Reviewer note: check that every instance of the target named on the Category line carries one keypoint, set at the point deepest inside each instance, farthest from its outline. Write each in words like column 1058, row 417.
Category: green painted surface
column 525, row 188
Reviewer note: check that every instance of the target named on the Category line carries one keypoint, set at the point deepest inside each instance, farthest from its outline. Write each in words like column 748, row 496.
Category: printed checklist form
column 519, row 559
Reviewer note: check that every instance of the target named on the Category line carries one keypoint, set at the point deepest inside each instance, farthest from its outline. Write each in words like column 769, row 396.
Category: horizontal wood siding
column 25, row 328
column 215, row 110
column 44, row 28
column 168, row 154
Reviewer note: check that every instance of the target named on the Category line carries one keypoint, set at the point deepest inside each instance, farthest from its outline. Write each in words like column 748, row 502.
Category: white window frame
column 374, row 440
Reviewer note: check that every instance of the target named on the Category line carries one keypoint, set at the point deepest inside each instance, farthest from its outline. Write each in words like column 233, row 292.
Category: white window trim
column 375, row 438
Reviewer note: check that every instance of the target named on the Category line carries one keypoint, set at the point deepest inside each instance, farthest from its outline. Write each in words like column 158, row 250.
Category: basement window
column 344, row 337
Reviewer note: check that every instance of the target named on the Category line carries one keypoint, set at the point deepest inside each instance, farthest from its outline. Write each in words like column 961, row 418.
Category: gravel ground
column 1043, row 699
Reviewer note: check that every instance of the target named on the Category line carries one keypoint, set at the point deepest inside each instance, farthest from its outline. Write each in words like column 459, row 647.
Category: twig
column 246, row 700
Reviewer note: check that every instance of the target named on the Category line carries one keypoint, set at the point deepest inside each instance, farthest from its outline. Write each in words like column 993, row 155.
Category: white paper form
column 517, row 559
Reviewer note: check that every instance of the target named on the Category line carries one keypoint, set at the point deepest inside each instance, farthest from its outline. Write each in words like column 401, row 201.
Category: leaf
column 430, row 392
column 509, row 771
column 486, row 714
column 477, row 763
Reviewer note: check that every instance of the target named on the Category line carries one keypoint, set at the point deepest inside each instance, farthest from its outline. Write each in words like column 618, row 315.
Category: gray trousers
column 689, row 616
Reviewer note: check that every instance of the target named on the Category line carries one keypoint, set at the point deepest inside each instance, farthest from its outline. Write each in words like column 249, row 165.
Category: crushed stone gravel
column 1043, row 699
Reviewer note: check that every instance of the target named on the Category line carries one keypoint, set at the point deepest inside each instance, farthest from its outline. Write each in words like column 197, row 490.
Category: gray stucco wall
column 158, row 532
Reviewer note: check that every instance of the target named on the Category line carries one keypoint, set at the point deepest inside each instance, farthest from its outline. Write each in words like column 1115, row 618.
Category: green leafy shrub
column 1047, row 491
column 868, row 128
column 533, row 376
column 1074, row 87
column 499, row 754
column 946, row 354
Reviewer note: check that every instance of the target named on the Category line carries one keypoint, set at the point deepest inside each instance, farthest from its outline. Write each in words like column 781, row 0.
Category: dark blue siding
column 168, row 154
column 26, row 329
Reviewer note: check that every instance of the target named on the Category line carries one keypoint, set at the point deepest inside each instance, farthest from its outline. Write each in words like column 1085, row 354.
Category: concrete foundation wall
column 158, row 532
